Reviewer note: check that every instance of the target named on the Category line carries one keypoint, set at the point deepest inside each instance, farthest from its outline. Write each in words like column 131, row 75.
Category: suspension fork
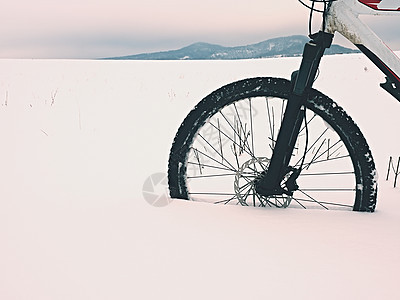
column 269, row 183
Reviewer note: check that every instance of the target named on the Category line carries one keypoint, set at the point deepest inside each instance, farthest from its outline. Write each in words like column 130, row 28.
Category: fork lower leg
column 270, row 182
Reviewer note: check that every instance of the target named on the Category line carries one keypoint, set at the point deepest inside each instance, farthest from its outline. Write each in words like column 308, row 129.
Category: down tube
column 379, row 63
column 347, row 23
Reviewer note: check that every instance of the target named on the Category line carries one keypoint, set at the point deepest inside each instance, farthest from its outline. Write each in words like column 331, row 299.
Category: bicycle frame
column 342, row 17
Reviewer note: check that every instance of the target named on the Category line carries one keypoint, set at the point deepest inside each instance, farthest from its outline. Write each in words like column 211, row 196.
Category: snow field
column 79, row 140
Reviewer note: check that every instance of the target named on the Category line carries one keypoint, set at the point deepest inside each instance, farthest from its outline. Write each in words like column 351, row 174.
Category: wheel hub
column 245, row 182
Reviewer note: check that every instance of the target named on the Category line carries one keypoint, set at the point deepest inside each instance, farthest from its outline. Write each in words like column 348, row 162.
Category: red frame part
column 374, row 4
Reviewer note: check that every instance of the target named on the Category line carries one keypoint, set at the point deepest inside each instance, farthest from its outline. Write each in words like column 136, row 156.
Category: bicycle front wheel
column 225, row 144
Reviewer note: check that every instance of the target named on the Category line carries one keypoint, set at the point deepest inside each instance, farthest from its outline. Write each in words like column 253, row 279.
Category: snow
column 81, row 140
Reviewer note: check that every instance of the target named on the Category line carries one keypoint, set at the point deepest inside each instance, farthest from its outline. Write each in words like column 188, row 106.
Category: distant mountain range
column 277, row 47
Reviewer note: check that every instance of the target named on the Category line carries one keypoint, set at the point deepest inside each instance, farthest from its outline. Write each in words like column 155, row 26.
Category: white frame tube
column 343, row 18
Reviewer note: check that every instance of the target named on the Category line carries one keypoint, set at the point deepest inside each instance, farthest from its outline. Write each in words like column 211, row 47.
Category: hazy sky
column 102, row 28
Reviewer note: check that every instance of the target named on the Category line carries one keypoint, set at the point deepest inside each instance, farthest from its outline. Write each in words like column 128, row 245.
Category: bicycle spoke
column 230, row 139
column 208, row 176
column 315, row 158
column 313, row 199
column 323, row 202
column 231, row 168
column 298, row 201
column 251, row 125
column 331, row 159
column 209, row 166
column 312, row 147
column 271, row 123
column 328, row 189
column 327, row 173
column 224, row 164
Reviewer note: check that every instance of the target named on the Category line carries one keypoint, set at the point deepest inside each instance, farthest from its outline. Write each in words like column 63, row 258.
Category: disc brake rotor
column 244, row 185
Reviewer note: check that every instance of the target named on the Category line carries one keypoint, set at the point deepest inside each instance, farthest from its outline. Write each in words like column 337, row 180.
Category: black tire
column 215, row 158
